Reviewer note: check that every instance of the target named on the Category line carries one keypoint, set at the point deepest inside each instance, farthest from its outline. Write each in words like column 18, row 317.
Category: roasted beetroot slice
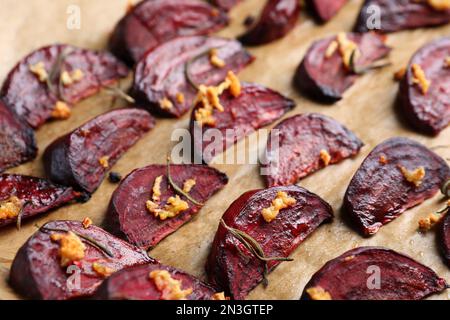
column 34, row 100
column 278, row 18
column 82, row 158
column 225, row 4
column 303, row 142
column 154, row 22
column 177, row 67
column 324, row 10
column 380, row 190
column 17, row 142
column 37, row 273
column 231, row 266
column 347, row 277
column 444, row 238
column 134, row 283
column 36, row 195
column 326, row 78
column 128, row 216
column 429, row 112
column 400, row 15
column 254, row 108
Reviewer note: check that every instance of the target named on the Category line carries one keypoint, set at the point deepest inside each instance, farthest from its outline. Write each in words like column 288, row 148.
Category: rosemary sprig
column 362, row 70
column 117, row 92
column 55, row 71
column 177, row 188
column 19, row 216
column 255, row 248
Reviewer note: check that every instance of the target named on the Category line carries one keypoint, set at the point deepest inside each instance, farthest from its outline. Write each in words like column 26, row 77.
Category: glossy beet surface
column 34, row 100
column 444, row 238
column 299, row 146
column 325, row 10
column 231, row 266
column 379, row 191
column 225, row 4
column 353, row 276
column 82, row 157
column 37, row 274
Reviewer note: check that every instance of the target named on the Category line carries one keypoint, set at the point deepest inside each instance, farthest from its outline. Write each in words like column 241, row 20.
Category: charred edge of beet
column 442, row 238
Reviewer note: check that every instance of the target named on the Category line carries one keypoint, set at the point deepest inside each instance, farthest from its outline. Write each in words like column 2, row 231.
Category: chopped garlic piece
column 180, row 98
column 349, row 258
column 281, row 201
column 429, row 222
column 61, row 111
column 156, row 196
column 400, row 74
column 87, row 222
column 10, row 208
column 415, row 177
column 215, row 60
column 383, row 159
column 325, row 157
column 331, row 49
column 104, row 162
column 188, row 185
column 169, row 287
column 219, row 296
column 102, row 270
column 235, row 84
column 347, row 49
column 440, row 5
column 420, row 78
column 318, row 293
column 68, row 79
column 39, row 70
column 71, row 248
column 165, row 104
column 173, row 208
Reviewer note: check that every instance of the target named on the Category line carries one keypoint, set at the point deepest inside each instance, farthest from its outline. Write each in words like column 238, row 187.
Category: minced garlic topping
column 156, row 190
column 349, row 258
column 68, row 79
column 165, row 104
column 383, row 159
column 173, row 208
column 318, row 293
column 415, row 177
column 215, row 60
column 169, row 287
column 61, row 111
column 39, row 70
column 102, row 270
column 447, row 62
column 180, row 98
column 87, row 222
column 334, row 45
column 281, row 201
column 420, row 78
column 10, row 208
column 400, row 74
column 218, row 296
column 71, row 248
column 440, row 5
column 429, row 222
column 188, row 185
column 325, row 157
column 347, row 49
column 104, row 162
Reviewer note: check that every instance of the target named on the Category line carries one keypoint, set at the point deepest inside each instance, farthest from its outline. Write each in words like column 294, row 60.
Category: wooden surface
column 367, row 109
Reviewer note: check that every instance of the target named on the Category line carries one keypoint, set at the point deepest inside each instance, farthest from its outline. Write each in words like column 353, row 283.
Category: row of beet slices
column 250, row 240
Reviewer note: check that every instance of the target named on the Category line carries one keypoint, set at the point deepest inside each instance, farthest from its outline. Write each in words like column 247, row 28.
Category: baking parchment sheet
column 367, row 109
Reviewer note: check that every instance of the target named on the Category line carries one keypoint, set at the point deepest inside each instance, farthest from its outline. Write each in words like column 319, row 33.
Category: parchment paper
column 367, row 109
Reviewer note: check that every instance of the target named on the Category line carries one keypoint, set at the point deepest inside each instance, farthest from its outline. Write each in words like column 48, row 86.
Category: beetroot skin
column 302, row 139
column 278, row 18
column 231, row 266
column 325, row 10
column 128, row 216
column 444, row 238
column 379, row 191
column 225, row 4
column 327, row 78
column 153, row 22
column 347, row 277
column 17, row 141
column 429, row 112
column 134, row 283
column 36, row 272
column 401, row 15
column 82, row 158
column 179, row 66
column 254, row 108
column 34, row 100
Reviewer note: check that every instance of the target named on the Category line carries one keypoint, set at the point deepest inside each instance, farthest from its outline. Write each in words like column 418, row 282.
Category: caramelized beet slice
column 34, row 100
column 429, row 112
column 225, row 4
column 324, row 10
column 351, row 276
column 36, row 195
column 17, row 142
column 327, row 78
column 37, row 273
column 400, row 15
column 254, row 108
column 304, row 142
column 128, row 216
column 134, row 283
column 277, row 19
column 380, row 190
column 444, row 238
column 231, row 266
column 82, row 158
column 153, row 22
column 177, row 67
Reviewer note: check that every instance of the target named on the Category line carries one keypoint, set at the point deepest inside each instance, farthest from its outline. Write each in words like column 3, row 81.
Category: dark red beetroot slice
column 444, row 238
column 254, row 108
column 278, row 18
column 179, row 66
column 128, row 216
column 230, row 264
column 17, row 142
column 36, row 195
column 36, row 271
column 225, row 4
column 347, row 277
column 35, row 100
column 302, row 139
column 82, row 158
column 134, row 283
column 327, row 78
column 154, row 22
column 400, row 15
column 324, row 10
column 379, row 192
column 428, row 112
